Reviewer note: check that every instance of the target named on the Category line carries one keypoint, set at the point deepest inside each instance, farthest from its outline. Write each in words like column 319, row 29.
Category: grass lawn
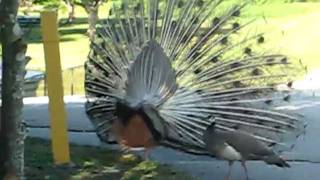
column 93, row 163
column 291, row 28
column 74, row 48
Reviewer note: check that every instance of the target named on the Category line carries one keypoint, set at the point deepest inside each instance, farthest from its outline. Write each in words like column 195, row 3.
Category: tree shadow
column 32, row 33
column 73, row 31
column 76, row 21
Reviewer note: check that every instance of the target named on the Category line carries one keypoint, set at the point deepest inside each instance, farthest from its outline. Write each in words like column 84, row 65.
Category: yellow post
column 59, row 135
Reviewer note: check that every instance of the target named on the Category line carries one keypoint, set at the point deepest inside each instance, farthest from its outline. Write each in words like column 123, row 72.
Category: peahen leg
column 229, row 171
column 146, row 154
column 243, row 163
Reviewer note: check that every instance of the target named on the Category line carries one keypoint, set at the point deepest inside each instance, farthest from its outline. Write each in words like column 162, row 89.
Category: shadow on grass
column 33, row 34
column 92, row 163
column 66, row 31
column 77, row 21
column 72, row 31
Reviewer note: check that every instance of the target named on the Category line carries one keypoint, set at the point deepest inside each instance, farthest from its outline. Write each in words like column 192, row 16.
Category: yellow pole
column 59, row 135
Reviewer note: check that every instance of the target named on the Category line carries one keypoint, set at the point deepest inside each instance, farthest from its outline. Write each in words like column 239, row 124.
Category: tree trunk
column 92, row 11
column 12, row 132
column 71, row 14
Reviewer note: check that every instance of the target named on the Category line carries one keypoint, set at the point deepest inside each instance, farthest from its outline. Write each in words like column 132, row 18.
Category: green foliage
column 151, row 170
column 48, row 3
column 84, row 3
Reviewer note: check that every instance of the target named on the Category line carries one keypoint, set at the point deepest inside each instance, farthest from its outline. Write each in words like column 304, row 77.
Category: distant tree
column 71, row 10
column 12, row 131
column 48, row 3
column 91, row 7
column 26, row 5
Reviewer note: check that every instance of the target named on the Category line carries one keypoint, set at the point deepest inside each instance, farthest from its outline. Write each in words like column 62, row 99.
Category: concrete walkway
column 205, row 168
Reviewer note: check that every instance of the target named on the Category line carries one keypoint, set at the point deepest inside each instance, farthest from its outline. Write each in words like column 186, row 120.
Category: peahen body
column 239, row 146
column 160, row 70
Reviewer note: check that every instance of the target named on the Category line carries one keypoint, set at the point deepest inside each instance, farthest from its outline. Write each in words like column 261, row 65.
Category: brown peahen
column 161, row 72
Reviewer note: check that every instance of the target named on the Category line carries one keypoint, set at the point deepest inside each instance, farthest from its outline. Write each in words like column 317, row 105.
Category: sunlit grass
column 281, row 10
column 291, row 29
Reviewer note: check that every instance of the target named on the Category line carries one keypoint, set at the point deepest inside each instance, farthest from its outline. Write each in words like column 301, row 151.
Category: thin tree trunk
column 92, row 19
column 71, row 11
column 71, row 16
column 12, row 132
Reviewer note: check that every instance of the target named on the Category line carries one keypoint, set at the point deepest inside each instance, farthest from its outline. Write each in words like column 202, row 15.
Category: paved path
column 205, row 168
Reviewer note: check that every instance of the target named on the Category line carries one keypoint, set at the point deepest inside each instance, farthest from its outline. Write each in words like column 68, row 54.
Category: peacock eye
column 235, row 26
column 247, row 51
column 215, row 21
column 260, row 40
column 236, row 13
column 224, row 40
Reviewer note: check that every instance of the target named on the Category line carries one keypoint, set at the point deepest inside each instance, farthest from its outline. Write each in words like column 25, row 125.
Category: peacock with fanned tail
column 162, row 72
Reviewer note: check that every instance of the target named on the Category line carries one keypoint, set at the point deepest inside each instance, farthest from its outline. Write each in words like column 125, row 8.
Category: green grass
column 281, row 10
column 291, row 28
column 93, row 163
column 74, row 48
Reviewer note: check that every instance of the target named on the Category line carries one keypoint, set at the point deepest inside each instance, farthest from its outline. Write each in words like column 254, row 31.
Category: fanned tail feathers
column 192, row 63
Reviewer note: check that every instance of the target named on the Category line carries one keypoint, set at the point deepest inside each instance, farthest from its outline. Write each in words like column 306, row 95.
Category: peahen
column 239, row 146
column 161, row 72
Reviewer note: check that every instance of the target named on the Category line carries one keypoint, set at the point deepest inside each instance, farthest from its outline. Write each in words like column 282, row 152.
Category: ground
column 94, row 163
column 292, row 28
column 304, row 158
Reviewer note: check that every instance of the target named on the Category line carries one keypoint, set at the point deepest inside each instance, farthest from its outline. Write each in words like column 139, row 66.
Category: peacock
column 163, row 72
